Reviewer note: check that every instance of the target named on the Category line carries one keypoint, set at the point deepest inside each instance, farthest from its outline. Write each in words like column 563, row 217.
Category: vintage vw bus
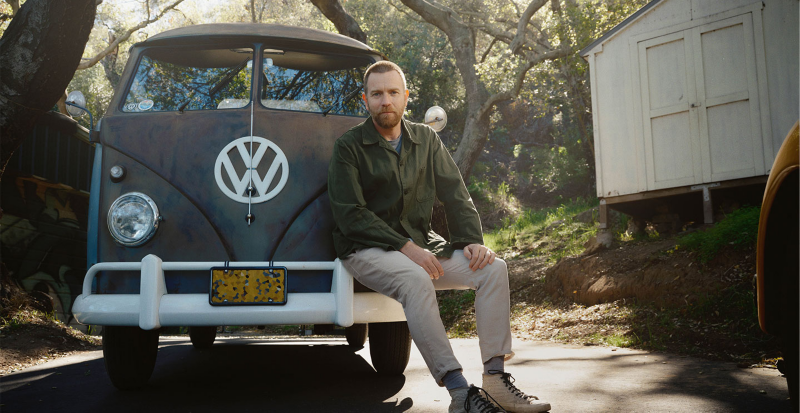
column 209, row 202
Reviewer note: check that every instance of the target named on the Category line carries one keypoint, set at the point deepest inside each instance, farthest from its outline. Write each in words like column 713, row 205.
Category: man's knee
column 498, row 273
column 499, row 268
column 416, row 285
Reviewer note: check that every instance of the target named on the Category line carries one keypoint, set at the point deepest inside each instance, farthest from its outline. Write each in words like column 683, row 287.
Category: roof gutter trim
column 609, row 34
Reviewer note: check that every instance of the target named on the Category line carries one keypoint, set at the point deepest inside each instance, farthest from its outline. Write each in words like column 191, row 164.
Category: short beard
column 387, row 122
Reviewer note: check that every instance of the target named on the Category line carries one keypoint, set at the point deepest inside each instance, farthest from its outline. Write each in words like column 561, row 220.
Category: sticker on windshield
column 130, row 107
column 146, row 104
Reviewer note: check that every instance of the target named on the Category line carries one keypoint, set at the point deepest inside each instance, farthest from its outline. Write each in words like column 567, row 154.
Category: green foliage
column 549, row 232
column 614, row 339
column 557, row 167
column 739, row 229
column 17, row 318
column 457, row 310
column 500, row 195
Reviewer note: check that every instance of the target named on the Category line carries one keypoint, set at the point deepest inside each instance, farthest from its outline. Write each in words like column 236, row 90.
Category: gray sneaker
column 473, row 400
column 509, row 397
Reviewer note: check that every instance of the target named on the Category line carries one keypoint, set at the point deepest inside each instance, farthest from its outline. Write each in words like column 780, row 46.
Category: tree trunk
column 460, row 36
column 476, row 133
column 40, row 51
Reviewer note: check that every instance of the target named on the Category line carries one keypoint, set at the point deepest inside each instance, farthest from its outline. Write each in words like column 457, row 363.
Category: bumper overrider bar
column 153, row 307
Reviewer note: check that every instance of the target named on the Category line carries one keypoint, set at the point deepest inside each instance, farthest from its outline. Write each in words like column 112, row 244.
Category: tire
column 130, row 355
column 389, row 347
column 784, row 210
column 356, row 335
column 322, row 329
column 790, row 342
column 202, row 337
column 789, row 337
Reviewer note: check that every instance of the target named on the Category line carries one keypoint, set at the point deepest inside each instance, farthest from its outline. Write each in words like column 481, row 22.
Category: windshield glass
column 170, row 79
column 307, row 89
column 181, row 79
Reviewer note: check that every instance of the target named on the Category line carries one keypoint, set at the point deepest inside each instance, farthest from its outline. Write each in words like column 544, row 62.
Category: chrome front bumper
column 153, row 308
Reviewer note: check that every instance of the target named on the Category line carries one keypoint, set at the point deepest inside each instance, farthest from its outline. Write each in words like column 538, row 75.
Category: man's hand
column 479, row 256
column 424, row 259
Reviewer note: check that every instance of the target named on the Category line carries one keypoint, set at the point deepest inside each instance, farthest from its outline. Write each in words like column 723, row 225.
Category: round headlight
column 133, row 219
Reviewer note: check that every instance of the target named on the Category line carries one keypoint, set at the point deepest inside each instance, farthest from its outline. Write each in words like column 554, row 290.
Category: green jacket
column 381, row 198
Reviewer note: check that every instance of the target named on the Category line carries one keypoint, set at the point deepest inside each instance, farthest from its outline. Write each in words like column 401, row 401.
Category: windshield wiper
column 344, row 101
column 228, row 77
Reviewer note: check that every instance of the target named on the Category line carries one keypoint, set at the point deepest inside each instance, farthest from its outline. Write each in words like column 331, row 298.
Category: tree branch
column 413, row 17
column 528, row 65
column 444, row 18
column 125, row 36
column 488, row 49
column 344, row 22
column 519, row 39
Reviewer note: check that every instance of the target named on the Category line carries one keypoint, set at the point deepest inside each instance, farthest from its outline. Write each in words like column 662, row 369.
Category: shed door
column 701, row 119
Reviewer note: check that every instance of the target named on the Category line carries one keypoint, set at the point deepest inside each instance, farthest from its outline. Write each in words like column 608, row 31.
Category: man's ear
column 364, row 99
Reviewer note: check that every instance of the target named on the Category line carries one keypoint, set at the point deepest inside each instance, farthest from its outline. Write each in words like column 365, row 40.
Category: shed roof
column 633, row 17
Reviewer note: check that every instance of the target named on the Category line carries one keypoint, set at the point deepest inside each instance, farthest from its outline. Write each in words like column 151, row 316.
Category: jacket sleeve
column 463, row 221
column 352, row 217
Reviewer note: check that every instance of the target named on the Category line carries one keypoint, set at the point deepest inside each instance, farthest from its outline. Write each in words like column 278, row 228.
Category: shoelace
column 509, row 382
column 484, row 405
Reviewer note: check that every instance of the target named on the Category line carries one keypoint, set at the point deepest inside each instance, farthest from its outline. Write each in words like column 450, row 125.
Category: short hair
column 384, row 66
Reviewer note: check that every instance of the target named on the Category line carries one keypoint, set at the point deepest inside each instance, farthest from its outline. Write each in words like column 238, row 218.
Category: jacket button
column 406, row 192
column 401, row 163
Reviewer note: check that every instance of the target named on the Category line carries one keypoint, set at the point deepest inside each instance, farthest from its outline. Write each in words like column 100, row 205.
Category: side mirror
column 436, row 118
column 76, row 106
column 78, row 103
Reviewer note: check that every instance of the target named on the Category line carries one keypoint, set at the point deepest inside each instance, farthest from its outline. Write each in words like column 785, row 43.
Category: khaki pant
column 395, row 275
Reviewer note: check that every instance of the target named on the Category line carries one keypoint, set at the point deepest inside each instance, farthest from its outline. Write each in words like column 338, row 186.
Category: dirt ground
column 39, row 340
column 644, row 295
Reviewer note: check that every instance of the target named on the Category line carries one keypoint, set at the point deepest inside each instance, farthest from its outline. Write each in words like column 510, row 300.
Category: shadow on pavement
column 234, row 375
column 662, row 382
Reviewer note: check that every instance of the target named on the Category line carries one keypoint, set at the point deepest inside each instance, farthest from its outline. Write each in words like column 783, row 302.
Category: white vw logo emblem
column 238, row 191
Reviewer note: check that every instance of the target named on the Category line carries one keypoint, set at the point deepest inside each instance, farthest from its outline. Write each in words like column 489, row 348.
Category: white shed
column 692, row 95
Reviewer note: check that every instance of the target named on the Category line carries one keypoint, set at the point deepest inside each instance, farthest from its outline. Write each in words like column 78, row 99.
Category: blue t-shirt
column 397, row 143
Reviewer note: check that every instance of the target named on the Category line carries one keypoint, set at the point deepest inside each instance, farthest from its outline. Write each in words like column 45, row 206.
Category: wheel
column 130, row 355
column 202, row 337
column 389, row 347
column 356, row 335
column 788, row 270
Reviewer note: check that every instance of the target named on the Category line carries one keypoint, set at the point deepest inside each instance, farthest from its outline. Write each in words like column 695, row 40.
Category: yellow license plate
column 248, row 286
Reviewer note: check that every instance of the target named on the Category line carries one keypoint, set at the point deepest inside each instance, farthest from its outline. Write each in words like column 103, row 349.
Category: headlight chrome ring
column 133, row 219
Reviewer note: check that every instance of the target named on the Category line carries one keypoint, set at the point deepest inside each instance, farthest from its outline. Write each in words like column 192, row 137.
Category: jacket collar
column 370, row 135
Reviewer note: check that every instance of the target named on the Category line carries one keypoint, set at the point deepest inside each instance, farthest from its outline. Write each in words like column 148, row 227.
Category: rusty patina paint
column 248, row 286
column 170, row 156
